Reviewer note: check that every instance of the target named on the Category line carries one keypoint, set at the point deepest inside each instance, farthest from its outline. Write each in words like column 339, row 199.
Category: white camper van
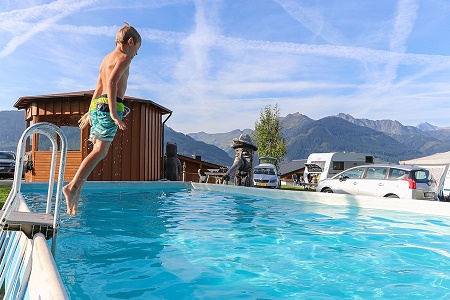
column 325, row 165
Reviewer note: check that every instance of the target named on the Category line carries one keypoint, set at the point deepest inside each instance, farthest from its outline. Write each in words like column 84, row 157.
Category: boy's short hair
column 127, row 32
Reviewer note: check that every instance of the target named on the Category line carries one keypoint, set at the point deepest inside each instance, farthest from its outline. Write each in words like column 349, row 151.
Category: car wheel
column 392, row 196
column 327, row 190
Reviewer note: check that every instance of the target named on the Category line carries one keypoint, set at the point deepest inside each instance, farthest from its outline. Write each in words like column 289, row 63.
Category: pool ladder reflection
column 28, row 222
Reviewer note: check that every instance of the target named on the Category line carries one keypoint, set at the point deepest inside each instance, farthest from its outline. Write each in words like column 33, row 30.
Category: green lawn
column 4, row 192
column 295, row 188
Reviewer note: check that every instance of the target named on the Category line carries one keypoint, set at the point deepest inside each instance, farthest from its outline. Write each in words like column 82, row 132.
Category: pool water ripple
column 191, row 244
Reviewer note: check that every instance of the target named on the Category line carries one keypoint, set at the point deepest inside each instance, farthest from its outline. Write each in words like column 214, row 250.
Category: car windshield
column 422, row 176
column 4, row 155
column 268, row 171
column 267, row 160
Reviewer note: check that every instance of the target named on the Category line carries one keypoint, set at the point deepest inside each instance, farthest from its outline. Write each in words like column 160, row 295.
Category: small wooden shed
column 190, row 167
column 136, row 154
column 288, row 170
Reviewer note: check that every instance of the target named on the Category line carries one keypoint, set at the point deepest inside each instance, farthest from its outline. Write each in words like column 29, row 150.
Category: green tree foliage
column 268, row 133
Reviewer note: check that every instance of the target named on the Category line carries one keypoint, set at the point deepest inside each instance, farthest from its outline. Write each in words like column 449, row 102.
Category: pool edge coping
column 422, row 207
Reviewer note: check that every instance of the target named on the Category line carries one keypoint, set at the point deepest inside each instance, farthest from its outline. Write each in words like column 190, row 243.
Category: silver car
column 266, row 175
column 382, row 180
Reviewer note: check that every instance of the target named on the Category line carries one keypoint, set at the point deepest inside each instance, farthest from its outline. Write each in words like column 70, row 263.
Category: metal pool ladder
column 32, row 223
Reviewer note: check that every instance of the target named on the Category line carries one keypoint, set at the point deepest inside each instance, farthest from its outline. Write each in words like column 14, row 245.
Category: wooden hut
column 136, row 154
column 288, row 170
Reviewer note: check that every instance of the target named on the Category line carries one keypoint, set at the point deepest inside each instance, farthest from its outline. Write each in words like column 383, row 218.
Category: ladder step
column 30, row 223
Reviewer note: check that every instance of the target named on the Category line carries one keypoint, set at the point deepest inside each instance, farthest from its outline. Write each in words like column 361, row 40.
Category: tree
column 268, row 134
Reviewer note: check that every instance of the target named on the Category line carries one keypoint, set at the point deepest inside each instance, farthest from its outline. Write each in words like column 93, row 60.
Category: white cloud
column 313, row 20
column 44, row 16
column 403, row 25
column 192, row 65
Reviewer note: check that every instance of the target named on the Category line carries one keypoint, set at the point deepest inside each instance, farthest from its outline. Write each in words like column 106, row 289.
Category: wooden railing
column 41, row 161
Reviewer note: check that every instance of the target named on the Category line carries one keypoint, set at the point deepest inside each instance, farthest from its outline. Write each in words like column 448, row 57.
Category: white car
column 266, row 175
column 392, row 181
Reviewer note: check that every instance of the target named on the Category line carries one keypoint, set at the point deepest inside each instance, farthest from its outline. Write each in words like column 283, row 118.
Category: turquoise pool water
column 195, row 244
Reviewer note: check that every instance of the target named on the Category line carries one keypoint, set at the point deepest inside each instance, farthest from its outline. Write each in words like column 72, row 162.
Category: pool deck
column 6, row 182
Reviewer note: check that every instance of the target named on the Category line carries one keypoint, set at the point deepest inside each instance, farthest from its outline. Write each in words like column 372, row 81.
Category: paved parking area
column 6, row 181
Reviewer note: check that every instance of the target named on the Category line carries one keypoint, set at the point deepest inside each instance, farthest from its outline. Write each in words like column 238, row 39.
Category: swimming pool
column 157, row 241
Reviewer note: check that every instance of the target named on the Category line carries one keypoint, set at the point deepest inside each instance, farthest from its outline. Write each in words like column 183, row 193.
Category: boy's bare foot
column 75, row 201
column 69, row 194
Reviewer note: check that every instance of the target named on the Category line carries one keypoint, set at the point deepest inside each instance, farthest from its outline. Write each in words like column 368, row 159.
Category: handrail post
column 48, row 130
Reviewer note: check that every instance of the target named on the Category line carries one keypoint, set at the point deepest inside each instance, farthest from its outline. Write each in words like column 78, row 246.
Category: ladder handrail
column 48, row 130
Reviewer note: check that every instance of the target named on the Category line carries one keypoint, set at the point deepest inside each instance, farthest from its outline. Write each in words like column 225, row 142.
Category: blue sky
column 217, row 64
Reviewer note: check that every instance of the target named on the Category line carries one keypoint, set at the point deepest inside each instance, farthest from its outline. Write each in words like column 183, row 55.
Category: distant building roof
column 191, row 159
column 292, row 166
column 23, row 102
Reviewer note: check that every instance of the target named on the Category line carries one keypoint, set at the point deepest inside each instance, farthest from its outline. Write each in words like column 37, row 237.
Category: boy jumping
column 106, row 109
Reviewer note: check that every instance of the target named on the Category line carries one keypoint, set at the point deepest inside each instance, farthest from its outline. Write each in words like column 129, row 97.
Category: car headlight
column 12, row 165
column 273, row 180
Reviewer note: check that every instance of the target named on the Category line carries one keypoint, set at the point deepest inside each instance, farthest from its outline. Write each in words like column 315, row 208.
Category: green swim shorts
column 103, row 127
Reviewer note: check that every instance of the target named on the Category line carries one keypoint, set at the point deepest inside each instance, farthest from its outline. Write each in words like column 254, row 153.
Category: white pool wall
column 31, row 272
column 435, row 208
column 45, row 281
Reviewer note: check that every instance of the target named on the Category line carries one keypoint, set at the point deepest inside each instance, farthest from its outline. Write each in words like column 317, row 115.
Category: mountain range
column 386, row 140
column 12, row 125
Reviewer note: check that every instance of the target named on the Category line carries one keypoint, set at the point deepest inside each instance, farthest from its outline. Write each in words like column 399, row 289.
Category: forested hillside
column 425, row 138
column 221, row 140
column 187, row 146
column 332, row 134
column 12, row 125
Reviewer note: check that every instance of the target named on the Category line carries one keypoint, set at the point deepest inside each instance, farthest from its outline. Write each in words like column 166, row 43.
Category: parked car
column 266, row 174
column 7, row 164
column 381, row 180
